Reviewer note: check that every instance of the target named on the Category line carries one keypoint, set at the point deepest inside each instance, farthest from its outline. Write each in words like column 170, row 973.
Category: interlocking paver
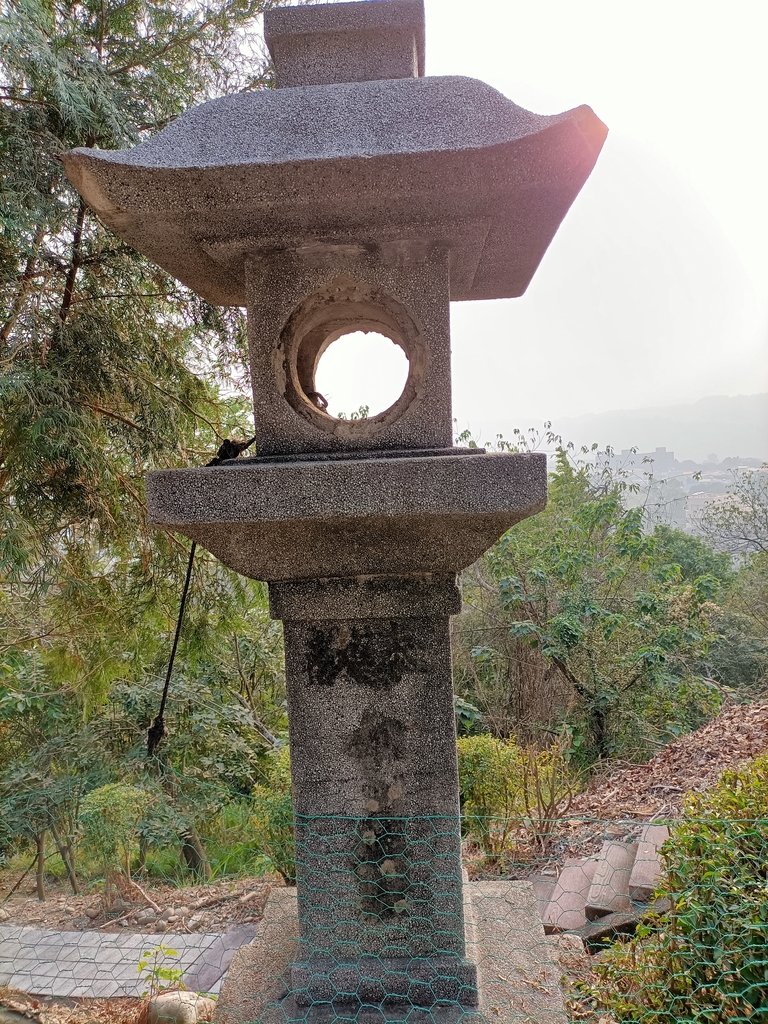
column 107, row 955
column 45, row 970
column 127, row 972
column 105, row 989
column 95, row 964
column 62, row 987
column 21, row 964
column 20, row 982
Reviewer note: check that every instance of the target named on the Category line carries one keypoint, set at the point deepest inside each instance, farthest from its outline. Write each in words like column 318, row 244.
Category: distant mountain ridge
column 723, row 425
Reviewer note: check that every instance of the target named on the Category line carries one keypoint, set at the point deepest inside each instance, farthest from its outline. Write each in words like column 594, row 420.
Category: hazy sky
column 655, row 289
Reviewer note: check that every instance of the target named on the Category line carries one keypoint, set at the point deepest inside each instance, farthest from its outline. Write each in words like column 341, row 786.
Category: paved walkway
column 104, row 964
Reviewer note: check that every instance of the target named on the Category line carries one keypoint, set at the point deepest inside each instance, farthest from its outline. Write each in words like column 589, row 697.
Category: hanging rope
column 157, row 731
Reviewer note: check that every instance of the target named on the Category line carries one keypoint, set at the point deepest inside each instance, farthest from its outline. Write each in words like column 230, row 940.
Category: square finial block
column 367, row 41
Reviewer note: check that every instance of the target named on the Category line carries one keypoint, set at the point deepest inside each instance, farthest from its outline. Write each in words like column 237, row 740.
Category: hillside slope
column 694, row 762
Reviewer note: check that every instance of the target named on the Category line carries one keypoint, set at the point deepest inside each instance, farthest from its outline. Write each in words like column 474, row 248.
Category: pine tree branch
column 154, row 126
column 104, row 254
column 121, row 295
column 26, row 640
column 58, row 264
column 182, row 403
column 133, row 493
column 25, row 284
column 173, row 43
column 28, row 101
column 69, row 284
column 110, row 414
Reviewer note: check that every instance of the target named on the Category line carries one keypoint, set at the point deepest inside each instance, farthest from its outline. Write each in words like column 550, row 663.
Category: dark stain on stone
column 379, row 743
column 370, row 653
column 381, row 867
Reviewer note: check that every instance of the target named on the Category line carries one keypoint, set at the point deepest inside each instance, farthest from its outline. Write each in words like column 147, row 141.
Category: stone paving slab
column 105, row 964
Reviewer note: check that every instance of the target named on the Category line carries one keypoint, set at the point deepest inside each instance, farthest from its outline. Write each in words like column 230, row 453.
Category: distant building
column 661, row 458
column 697, row 505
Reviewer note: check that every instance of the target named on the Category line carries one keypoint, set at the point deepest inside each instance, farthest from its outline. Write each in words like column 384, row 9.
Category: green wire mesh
column 382, row 918
column 390, row 934
column 389, row 931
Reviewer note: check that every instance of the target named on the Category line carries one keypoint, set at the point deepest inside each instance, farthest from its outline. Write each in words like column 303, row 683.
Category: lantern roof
column 400, row 163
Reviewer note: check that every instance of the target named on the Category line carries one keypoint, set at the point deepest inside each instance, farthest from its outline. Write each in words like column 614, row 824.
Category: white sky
column 655, row 290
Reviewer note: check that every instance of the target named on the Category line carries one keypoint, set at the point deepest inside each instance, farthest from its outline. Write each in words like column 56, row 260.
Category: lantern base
column 517, row 969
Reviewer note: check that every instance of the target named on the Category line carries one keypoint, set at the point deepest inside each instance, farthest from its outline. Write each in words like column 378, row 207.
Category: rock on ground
column 180, row 1008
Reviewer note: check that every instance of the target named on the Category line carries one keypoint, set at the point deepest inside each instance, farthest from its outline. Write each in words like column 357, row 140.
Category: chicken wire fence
column 642, row 922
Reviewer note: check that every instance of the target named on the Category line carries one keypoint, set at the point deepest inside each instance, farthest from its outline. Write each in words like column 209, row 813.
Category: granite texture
column 345, row 518
column 444, row 161
column 377, row 597
column 386, row 687
column 378, row 832
column 297, row 307
column 327, row 43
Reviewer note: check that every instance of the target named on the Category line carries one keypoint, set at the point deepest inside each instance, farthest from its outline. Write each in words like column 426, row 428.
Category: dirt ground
column 71, row 1011
column 147, row 907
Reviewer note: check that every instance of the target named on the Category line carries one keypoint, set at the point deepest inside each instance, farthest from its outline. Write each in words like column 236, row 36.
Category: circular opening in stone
column 361, row 374
column 349, row 346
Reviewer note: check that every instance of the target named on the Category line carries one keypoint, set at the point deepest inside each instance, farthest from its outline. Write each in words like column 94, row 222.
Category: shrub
column 706, row 959
column 110, row 817
column 232, row 848
column 272, row 818
column 469, row 719
column 507, row 790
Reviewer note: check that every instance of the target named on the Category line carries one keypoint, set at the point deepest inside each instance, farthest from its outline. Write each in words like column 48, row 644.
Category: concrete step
column 609, row 892
column 566, row 908
column 646, row 870
column 543, row 887
column 595, row 932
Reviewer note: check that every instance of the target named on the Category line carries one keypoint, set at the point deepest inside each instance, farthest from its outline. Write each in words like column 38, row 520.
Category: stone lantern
column 357, row 195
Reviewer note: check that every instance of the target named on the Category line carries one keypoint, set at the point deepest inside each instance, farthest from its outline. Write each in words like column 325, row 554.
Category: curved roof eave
column 454, row 152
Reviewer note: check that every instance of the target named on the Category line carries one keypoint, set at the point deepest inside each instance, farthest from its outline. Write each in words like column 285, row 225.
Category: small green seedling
column 153, row 968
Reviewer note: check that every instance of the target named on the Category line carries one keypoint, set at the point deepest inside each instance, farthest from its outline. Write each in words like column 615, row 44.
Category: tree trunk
column 195, row 857
column 24, row 287
column 65, row 852
column 40, row 869
column 69, row 860
column 69, row 283
column 143, row 848
column 599, row 726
